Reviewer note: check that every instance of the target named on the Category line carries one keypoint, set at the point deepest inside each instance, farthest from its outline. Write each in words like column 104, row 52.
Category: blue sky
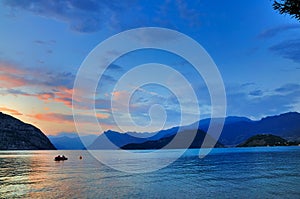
column 43, row 44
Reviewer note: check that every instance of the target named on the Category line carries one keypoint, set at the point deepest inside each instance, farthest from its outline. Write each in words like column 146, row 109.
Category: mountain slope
column 158, row 144
column 286, row 125
column 119, row 139
column 17, row 135
column 264, row 140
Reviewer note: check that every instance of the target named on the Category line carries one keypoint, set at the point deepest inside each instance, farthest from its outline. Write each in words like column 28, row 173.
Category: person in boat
column 59, row 157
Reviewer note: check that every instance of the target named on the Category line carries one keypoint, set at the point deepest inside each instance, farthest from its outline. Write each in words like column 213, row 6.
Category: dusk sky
column 43, row 44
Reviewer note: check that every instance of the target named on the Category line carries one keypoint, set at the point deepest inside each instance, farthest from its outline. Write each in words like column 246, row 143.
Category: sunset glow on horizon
column 43, row 45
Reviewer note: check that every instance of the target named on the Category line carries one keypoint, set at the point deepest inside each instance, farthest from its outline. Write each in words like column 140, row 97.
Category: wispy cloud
column 287, row 88
column 49, row 86
column 53, row 117
column 82, row 16
column 289, row 49
column 188, row 13
column 9, row 68
column 11, row 81
column 256, row 93
column 272, row 32
column 258, row 103
column 92, row 15
column 10, row 111
column 43, row 42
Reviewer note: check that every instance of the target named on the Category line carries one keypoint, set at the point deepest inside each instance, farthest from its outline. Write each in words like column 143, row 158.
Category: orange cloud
column 102, row 115
column 45, row 96
column 10, row 111
column 10, row 69
column 53, row 117
column 9, row 81
column 117, row 95
column 64, row 95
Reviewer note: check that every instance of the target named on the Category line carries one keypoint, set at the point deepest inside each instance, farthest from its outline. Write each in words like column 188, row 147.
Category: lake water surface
column 262, row 172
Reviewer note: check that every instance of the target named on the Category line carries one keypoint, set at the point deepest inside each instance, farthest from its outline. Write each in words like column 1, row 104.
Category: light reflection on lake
column 271, row 172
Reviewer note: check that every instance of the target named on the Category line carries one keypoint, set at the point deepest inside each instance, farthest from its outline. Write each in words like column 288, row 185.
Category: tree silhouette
column 291, row 7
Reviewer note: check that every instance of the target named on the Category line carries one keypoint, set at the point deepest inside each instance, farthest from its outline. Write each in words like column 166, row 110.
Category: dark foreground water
column 271, row 172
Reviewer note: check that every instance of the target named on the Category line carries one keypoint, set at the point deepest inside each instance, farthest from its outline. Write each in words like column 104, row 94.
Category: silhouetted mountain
column 17, row 135
column 286, row 125
column 119, row 139
column 122, row 139
column 158, row 144
column 71, row 141
column 235, row 131
column 203, row 124
column 264, row 140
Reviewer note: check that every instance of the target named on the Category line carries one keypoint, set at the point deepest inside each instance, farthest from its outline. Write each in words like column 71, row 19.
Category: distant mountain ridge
column 286, row 125
column 236, row 130
column 71, row 141
column 17, row 135
column 163, row 142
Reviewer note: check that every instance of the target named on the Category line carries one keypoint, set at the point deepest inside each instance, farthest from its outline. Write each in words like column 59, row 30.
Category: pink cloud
column 9, row 81
column 102, row 116
column 10, row 111
column 53, row 117
column 45, row 96
column 10, row 69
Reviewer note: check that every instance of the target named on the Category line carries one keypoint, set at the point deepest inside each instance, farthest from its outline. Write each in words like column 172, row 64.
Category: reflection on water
column 225, row 173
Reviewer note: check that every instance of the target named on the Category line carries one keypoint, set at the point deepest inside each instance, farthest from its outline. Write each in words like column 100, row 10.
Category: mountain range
column 236, row 130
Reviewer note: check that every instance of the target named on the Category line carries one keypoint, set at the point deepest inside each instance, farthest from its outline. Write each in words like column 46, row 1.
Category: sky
column 44, row 43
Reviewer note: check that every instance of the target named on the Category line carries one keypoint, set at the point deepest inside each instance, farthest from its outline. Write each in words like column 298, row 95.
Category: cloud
column 272, row 32
column 248, row 84
column 52, row 79
column 11, row 76
column 115, row 67
column 64, row 95
column 53, row 117
column 44, row 42
column 145, row 36
column 19, row 81
column 92, row 15
column 66, row 118
column 190, row 14
column 15, row 92
column 289, row 49
column 6, row 67
column 60, row 94
column 256, row 93
column 11, row 81
column 46, row 96
column 282, row 99
column 82, row 16
column 102, row 115
column 288, row 88
column 10, row 111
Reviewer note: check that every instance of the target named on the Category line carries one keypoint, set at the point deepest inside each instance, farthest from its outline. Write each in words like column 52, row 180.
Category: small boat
column 60, row 158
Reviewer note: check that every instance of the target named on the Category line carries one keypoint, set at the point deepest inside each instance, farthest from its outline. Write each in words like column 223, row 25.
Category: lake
column 262, row 172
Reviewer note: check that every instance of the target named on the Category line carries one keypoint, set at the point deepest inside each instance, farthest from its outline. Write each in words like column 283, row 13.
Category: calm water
column 272, row 172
